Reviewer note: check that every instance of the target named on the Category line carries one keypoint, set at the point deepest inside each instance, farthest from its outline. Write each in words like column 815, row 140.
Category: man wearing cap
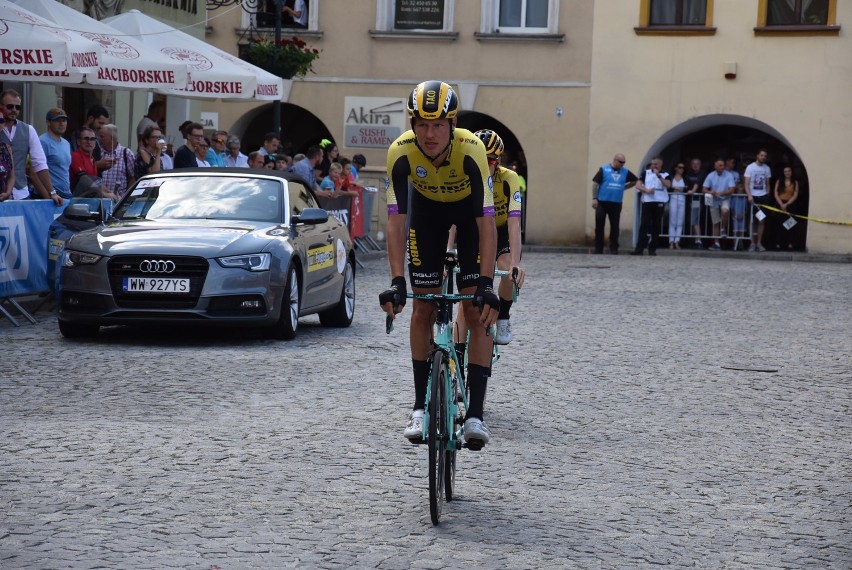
column 57, row 151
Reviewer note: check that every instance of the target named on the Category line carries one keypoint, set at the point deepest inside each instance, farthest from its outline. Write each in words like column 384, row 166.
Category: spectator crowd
column 92, row 162
column 721, row 207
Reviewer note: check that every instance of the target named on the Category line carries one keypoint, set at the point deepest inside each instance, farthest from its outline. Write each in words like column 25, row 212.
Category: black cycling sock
column 477, row 381
column 504, row 309
column 461, row 347
column 421, row 379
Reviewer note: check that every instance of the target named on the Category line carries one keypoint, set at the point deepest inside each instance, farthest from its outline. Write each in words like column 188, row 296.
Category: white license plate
column 155, row 285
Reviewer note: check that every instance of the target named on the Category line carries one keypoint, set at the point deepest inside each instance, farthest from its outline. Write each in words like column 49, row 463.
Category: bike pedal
column 419, row 441
column 474, row 445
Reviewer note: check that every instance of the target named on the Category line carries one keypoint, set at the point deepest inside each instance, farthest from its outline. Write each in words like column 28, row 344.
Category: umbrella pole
column 276, row 106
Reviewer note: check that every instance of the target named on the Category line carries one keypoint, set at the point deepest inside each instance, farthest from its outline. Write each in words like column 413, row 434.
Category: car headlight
column 71, row 258
column 250, row 262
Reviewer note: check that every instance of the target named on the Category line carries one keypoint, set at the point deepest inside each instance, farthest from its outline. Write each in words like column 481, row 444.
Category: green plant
column 287, row 58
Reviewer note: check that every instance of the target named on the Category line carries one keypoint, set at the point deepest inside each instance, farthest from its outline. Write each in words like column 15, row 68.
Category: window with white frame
column 413, row 16
column 520, row 16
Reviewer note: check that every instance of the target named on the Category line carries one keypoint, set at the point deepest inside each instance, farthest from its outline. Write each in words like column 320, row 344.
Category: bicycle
column 447, row 396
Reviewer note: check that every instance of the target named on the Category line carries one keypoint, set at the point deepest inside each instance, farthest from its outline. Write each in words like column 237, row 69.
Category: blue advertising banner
column 23, row 245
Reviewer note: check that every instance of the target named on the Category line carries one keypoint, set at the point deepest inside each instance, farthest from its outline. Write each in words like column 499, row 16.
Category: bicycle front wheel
column 437, row 435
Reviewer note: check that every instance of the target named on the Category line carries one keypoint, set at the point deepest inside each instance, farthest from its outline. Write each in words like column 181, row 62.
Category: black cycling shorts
column 429, row 227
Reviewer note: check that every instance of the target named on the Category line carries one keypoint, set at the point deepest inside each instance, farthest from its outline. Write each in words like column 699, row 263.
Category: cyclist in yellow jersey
column 507, row 216
column 442, row 172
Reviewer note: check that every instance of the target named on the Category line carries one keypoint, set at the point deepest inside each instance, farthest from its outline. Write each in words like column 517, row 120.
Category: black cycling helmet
column 433, row 100
column 492, row 141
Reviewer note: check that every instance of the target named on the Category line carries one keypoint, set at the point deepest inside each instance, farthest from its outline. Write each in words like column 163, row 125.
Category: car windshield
column 204, row 197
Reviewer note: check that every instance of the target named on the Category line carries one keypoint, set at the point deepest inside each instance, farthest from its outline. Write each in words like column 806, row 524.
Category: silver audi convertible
column 224, row 246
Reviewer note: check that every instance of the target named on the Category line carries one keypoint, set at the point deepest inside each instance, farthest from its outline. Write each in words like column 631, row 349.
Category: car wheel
column 78, row 330
column 288, row 322
column 342, row 313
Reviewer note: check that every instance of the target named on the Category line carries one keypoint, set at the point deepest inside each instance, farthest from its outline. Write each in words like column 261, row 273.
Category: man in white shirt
column 295, row 14
column 233, row 157
column 756, row 181
column 25, row 142
column 654, row 188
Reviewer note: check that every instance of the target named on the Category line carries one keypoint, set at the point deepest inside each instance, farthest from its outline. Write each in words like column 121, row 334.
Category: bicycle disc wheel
column 437, row 435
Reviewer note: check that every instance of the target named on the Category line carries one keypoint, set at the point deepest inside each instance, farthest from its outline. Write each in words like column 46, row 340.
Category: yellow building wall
column 521, row 84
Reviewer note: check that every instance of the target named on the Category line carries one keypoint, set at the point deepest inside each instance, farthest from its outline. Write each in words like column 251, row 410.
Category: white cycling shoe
column 476, row 430
column 504, row 332
column 414, row 430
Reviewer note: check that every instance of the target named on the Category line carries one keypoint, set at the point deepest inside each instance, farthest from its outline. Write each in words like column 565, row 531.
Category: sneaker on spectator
column 504, row 332
column 760, row 247
column 715, row 247
column 414, row 430
column 751, row 247
column 698, row 245
column 723, row 234
column 475, row 429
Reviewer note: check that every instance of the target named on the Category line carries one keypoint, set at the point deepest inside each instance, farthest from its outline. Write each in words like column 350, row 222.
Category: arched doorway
column 299, row 128
column 734, row 136
column 513, row 155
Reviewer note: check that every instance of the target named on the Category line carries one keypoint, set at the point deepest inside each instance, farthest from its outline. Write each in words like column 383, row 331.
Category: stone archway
column 711, row 136
column 299, row 128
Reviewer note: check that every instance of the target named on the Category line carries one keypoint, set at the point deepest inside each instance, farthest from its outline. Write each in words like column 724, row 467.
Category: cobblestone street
column 687, row 412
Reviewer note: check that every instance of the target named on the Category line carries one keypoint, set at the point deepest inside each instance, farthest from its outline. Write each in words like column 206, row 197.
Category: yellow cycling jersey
column 507, row 196
column 464, row 173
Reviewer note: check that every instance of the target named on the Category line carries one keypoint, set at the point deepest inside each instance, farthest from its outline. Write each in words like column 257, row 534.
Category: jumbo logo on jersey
column 517, row 196
column 491, row 184
column 420, row 172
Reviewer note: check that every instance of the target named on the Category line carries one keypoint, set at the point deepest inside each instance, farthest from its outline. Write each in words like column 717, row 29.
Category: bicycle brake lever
column 515, row 274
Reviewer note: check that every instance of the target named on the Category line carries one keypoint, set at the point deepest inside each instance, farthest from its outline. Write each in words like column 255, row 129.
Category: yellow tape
column 820, row 220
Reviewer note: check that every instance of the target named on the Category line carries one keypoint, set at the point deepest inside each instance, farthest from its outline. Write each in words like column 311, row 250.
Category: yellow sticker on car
column 54, row 248
column 320, row 257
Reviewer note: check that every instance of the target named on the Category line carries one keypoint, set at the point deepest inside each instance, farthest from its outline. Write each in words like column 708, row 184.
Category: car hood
column 178, row 237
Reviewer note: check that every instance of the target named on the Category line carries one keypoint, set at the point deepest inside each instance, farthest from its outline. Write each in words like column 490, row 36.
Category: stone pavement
column 678, row 411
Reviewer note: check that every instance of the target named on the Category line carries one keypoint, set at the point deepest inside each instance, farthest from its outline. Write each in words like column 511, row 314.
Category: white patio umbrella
column 126, row 63
column 213, row 73
column 33, row 49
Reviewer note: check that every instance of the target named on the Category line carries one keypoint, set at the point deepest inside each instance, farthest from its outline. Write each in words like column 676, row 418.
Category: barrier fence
column 23, row 251
column 739, row 228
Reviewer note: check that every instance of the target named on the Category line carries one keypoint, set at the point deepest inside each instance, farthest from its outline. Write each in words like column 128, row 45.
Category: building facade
column 566, row 83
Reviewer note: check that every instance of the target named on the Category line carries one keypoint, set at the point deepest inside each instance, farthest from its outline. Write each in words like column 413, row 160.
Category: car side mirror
column 81, row 212
column 310, row 216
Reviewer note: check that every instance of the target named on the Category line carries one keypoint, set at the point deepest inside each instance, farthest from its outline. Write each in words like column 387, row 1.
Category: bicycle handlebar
column 445, row 297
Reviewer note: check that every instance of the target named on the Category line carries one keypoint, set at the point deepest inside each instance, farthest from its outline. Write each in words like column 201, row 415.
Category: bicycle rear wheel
column 437, row 435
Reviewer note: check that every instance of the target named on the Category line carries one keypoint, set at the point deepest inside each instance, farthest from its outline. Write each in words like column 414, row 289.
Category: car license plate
column 155, row 285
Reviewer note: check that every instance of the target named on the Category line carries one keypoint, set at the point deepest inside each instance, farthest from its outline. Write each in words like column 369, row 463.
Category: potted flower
column 287, row 58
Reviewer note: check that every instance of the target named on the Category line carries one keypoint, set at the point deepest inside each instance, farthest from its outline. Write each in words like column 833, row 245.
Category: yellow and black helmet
column 492, row 141
column 433, row 100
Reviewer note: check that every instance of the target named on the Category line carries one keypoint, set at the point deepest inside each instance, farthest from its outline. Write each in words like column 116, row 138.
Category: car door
column 318, row 249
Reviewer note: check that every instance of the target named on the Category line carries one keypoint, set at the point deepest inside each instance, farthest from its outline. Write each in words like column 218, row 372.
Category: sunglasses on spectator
column 10, row 106
column 88, row 139
column 219, row 140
